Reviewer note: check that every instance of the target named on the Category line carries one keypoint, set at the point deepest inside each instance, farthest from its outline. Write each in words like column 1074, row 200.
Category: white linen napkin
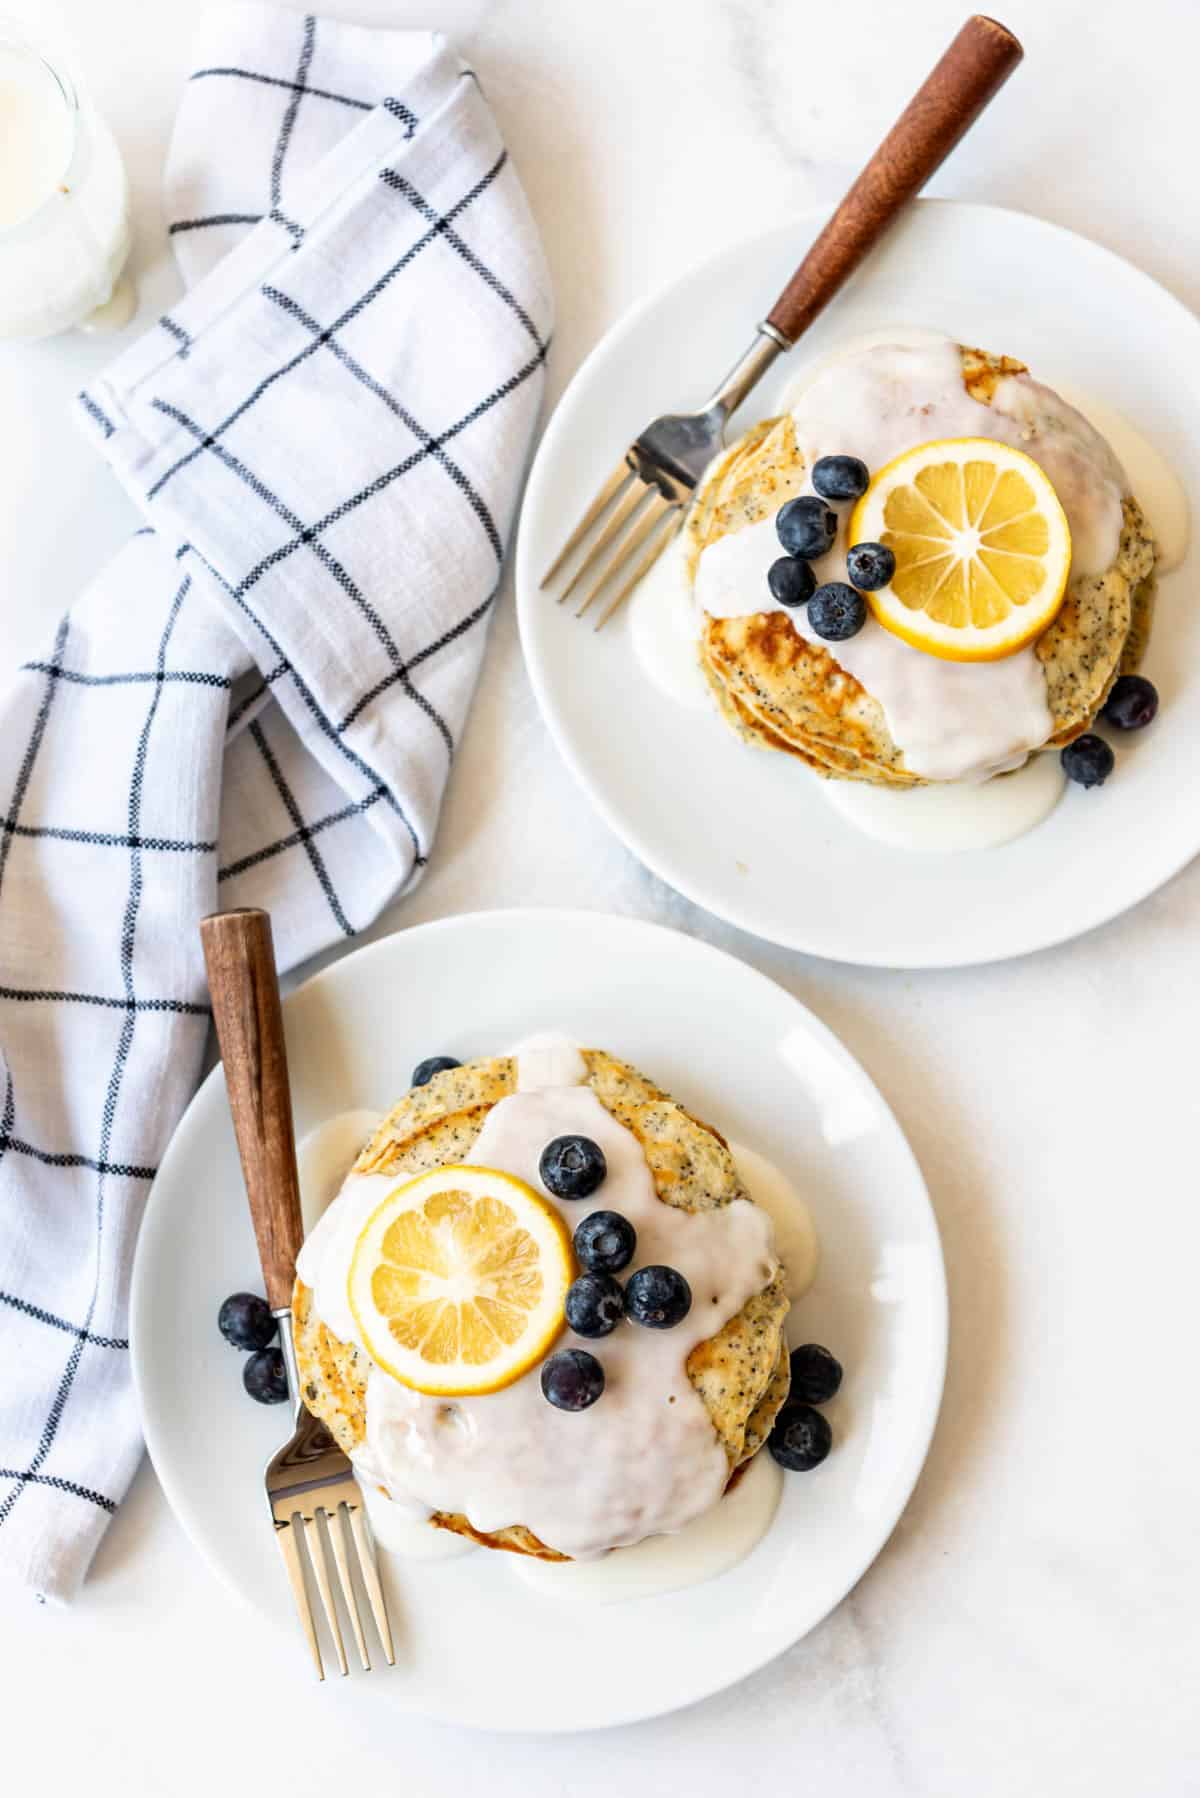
column 258, row 701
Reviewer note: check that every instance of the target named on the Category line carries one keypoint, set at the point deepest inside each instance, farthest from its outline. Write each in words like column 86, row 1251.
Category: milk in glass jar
column 64, row 202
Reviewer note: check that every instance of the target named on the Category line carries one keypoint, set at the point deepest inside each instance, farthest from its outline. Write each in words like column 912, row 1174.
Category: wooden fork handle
column 974, row 68
column 240, row 958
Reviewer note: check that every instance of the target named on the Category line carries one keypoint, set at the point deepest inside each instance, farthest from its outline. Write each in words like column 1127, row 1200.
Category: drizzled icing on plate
column 709, row 1545
column 952, row 720
column 645, row 1458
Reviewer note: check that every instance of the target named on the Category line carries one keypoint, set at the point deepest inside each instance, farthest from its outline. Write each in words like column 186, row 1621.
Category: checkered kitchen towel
column 258, row 702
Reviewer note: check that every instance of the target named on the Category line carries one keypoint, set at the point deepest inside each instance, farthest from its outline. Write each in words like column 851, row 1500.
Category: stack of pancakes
column 741, row 1374
column 782, row 692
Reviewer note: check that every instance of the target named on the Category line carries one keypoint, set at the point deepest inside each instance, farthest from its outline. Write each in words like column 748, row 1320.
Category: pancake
column 740, row 1374
column 780, row 691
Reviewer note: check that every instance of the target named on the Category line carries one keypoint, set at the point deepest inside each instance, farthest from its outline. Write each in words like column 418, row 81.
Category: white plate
column 475, row 1644
column 749, row 835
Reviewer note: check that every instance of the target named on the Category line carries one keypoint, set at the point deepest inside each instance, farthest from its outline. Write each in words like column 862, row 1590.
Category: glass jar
column 64, row 202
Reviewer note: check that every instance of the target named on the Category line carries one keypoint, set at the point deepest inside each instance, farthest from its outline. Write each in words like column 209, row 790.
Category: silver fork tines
column 628, row 511
column 313, row 1495
column 641, row 505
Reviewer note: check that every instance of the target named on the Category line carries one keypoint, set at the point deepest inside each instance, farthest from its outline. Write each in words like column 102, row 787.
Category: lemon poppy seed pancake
column 682, row 1408
column 876, row 708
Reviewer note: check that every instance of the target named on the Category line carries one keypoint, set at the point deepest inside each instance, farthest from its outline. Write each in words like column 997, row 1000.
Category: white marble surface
column 1032, row 1626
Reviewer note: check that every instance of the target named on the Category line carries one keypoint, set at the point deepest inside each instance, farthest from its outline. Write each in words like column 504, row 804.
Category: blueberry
column 264, row 1377
column 816, row 1374
column 840, row 477
column 246, row 1321
column 572, row 1167
column 1088, row 761
column 605, row 1242
column 800, row 1438
column 1132, row 703
column 595, row 1305
column 658, row 1297
column 792, row 582
column 870, row 566
column 837, row 611
column 572, row 1380
column 424, row 1071
column 806, row 527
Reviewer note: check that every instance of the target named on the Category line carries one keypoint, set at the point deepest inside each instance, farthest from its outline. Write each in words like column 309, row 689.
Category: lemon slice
column 982, row 548
column 458, row 1280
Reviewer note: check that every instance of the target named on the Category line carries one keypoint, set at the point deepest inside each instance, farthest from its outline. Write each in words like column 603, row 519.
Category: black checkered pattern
column 259, row 701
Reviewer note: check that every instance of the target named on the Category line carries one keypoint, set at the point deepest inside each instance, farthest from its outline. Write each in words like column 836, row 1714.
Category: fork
column 310, row 1485
column 641, row 505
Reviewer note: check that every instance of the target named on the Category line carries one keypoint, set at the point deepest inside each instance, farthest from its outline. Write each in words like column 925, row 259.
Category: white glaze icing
column 662, row 623
column 405, row 1530
column 887, row 398
column 548, row 1059
column 953, row 815
column 323, row 1158
column 707, row 1546
column 645, row 1457
column 795, row 1232
column 953, row 720
column 1152, row 480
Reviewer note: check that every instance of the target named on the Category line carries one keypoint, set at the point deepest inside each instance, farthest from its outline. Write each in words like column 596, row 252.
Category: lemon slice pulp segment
column 982, row 548
column 458, row 1280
